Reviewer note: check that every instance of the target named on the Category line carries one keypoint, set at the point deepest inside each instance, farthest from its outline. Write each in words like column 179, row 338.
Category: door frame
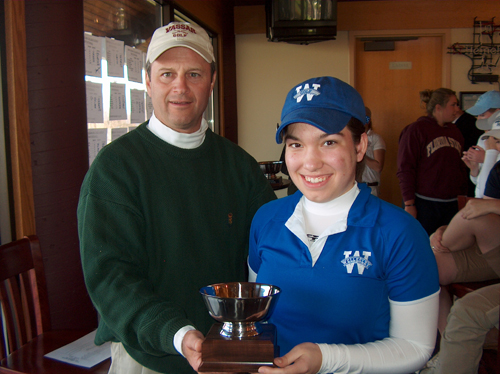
column 442, row 35
column 445, row 35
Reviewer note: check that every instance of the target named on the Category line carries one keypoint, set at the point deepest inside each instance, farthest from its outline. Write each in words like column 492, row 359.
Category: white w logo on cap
column 310, row 92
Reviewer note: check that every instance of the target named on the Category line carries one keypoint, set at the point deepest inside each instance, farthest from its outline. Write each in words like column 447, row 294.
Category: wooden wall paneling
column 386, row 15
column 59, row 150
column 99, row 17
column 411, row 14
column 19, row 131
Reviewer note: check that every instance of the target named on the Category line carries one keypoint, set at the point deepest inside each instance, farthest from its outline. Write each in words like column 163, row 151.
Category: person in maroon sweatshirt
column 431, row 172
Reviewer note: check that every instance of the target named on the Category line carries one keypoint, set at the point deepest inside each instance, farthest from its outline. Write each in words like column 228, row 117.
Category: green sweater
column 156, row 223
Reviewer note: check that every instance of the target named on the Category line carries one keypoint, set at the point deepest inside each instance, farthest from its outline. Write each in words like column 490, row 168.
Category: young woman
column 358, row 278
column 430, row 168
column 374, row 157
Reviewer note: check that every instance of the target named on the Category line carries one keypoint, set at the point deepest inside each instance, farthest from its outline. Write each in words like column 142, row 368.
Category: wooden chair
column 26, row 335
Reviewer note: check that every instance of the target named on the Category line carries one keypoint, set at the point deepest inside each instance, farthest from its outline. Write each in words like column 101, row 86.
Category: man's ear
column 148, row 85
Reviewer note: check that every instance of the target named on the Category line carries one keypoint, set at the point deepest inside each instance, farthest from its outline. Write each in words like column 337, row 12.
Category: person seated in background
column 475, row 316
column 374, row 157
column 480, row 158
column 359, row 283
column 465, row 260
column 490, row 147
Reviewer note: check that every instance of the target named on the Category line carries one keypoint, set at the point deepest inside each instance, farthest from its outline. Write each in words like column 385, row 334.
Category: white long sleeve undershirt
column 412, row 336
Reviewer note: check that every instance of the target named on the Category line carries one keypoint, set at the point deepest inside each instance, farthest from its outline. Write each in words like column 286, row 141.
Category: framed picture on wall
column 469, row 98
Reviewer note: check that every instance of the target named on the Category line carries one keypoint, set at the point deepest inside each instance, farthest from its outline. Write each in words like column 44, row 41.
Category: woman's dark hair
column 431, row 98
column 357, row 129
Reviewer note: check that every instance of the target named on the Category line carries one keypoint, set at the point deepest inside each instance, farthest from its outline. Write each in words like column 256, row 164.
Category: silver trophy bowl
column 240, row 306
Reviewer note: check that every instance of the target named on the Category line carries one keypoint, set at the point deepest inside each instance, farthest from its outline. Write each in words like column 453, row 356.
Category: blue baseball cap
column 488, row 100
column 324, row 102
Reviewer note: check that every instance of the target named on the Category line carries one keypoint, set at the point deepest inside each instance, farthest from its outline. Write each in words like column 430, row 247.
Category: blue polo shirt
column 344, row 298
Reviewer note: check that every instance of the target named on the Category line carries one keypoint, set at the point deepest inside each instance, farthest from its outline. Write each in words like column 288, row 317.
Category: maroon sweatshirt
column 430, row 160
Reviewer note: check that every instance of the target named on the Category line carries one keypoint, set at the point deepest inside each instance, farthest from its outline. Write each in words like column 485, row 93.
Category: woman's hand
column 436, row 240
column 412, row 210
column 306, row 359
column 475, row 154
column 472, row 165
column 479, row 207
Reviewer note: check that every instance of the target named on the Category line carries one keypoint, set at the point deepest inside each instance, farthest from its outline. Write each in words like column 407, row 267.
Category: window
column 117, row 34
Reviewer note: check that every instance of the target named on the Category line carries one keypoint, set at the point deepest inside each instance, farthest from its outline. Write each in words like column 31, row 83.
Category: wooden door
column 390, row 82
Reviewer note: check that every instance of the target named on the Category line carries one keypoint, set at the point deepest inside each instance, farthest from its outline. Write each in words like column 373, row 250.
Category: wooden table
column 279, row 186
column 30, row 358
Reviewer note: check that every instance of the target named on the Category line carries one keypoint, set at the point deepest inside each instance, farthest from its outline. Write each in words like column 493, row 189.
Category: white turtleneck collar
column 178, row 139
column 339, row 206
column 313, row 222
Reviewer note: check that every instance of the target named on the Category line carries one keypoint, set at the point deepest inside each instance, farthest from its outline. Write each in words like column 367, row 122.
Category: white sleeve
column 378, row 142
column 179, row 336
column 490, row 158
column 412, row 336
column 252, row 275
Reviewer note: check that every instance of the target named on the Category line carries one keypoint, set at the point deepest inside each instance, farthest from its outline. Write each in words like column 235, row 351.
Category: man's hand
column 306, row 359
column 436, row 240
column 191, row 348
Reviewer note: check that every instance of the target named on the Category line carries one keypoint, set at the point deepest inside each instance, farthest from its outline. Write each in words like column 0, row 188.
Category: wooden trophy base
column 221, row 354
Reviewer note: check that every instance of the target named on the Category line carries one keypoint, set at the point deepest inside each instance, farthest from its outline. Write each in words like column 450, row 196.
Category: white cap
column 495, row 127
column 180, row 34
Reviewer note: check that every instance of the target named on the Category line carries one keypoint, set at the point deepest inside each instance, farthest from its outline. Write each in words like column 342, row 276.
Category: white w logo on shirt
column 362, row 262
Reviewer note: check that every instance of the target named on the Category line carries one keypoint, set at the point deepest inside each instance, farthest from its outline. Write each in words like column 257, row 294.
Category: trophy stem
column 238, row 355
column 240, row 329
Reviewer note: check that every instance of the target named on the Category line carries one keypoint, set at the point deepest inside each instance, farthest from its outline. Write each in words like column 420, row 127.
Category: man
column 165, row 210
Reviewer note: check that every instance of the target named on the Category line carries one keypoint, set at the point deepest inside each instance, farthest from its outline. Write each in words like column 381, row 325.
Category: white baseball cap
column 494, row 129
column 180, row 34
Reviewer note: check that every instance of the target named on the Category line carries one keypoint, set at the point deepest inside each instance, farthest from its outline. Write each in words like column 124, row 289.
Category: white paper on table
column 82, row 352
